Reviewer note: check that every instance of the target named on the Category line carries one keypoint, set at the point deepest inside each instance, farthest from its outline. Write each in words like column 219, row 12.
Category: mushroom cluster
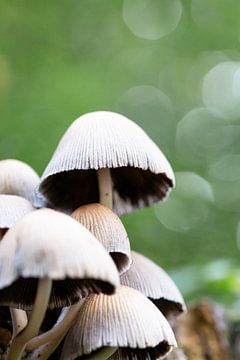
column 70, row 286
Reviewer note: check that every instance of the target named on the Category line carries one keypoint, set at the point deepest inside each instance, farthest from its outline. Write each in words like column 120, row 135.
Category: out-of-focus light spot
column 199, row 67
column 226, row 194
column 189, row 204
column 220, row 91
column 150, row 108
column 152, row 19
column 227, row 168
column 202, row 137
column 217, row 270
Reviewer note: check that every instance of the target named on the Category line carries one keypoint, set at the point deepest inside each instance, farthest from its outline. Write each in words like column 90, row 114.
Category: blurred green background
column 171, row 66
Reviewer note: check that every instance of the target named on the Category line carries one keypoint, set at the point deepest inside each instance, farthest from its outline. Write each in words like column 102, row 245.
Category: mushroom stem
column 103, row 353
column 19, row 321
column 39, row 308
column 105, row 187
column 52, row 338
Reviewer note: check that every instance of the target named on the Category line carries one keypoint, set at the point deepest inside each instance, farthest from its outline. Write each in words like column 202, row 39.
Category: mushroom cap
column 48, row 244
column 126, row 320
column 12, row 209
column 140, row 172
column 18, row 178
column 106, row 226
column 149, row 278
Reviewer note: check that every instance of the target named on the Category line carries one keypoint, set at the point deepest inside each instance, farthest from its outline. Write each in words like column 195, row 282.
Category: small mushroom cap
column 12, row 209
column 149, row 278
column 140, row 172
column 109, row 230
column 48, row 244
column 18, row 178
column 126, row 320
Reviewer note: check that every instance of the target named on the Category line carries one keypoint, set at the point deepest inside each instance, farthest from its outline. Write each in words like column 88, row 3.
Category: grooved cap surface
column 140, row 172
column 149, row 278
column 126, row 319
column 18, row 178
column 12, row 209
column 106, row 226
column 46, row 243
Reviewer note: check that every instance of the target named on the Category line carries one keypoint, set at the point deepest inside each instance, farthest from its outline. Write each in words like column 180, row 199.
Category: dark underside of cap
column 168, row 308
column 21, row 293
column 70, row 189
column 150, row 353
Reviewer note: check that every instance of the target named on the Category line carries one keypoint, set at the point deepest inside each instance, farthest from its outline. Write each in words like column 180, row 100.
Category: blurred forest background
column 172, row 66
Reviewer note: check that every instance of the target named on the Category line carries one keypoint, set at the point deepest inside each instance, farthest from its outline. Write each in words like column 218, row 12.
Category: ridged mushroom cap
column 149, row 278
column 109, row 230
column 127, row 320
column 18, row 178
column 140, row 172
column 48, row 244
column 12, row 209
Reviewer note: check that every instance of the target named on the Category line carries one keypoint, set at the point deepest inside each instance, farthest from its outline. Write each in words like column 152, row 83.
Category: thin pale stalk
column 19, row 321
column 103, row 353
column 105, row 187
column 39, row 308
column 51, row 337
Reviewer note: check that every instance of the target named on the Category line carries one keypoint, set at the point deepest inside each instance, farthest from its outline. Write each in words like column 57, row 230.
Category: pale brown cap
column 140, row 172
column 126, row 320
column 49, row 244
column 18, row 178
column 149, row 278
column 106, row 226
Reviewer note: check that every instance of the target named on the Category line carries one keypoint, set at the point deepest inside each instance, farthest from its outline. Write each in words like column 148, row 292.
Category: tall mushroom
column 108, row 148
column 48, row 259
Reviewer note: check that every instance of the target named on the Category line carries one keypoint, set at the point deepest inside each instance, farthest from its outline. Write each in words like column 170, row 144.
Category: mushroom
column 106, row 148
column 126, row 320
column 18, row 178
column 51, row 255
column 12, row 209
column 149, row 278
column 109, row 230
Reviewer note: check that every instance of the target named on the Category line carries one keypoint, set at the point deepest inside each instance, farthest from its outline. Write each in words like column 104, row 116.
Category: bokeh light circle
column 189, row 204
column 202, row 137
column 152, row 19
column 220, row 90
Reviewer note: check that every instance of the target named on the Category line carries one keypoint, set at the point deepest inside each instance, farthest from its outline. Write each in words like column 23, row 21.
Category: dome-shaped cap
column 12, row 209
column 126, row 320
column 18, row 178
column 149, row 278
column 140, row 172
column 48, row 244
column 109, row 230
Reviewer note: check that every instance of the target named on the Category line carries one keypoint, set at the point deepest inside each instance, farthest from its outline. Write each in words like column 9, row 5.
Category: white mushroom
column 18, row 178
column 124, row 157
column 50, row 257
column 149, row 278
column 125, row 320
